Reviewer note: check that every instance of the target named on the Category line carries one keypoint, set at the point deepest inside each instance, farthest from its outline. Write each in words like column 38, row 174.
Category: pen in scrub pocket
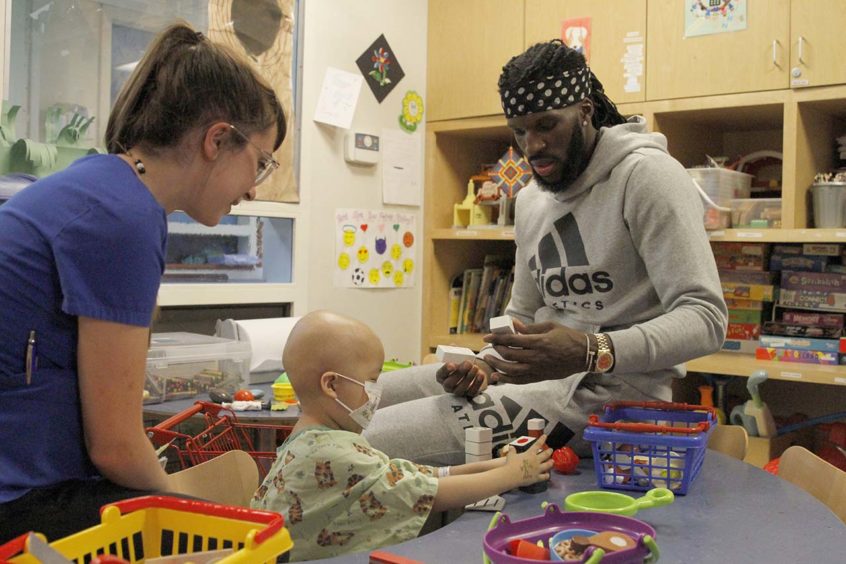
column 31, row 357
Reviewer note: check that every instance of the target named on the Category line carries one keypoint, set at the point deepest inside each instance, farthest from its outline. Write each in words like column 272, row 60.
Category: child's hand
column 530, row 466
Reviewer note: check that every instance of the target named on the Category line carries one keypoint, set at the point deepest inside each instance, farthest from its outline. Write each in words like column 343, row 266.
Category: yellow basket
column 154, row 526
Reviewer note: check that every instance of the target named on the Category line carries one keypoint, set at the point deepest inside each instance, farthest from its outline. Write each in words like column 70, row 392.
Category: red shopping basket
column 644, row 445
column 223, row 432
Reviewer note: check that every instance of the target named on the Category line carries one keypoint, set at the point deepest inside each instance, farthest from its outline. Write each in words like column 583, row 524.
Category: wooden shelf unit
column 803, row 124
column 736, row 364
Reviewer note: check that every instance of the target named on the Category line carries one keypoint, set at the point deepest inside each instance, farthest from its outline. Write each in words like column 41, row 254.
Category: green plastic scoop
column 617, row 503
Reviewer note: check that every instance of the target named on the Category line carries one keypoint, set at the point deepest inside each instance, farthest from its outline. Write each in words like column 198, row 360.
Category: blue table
column 734, row 512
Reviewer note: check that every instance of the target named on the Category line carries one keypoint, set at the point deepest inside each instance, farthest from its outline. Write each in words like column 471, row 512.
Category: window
column 66, row 62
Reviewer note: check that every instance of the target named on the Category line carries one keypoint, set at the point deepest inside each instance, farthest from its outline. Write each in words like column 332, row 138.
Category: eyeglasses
column 266, row 165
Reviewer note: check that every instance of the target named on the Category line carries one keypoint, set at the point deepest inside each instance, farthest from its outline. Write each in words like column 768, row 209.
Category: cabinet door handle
column 801, row 50
column 775, row 53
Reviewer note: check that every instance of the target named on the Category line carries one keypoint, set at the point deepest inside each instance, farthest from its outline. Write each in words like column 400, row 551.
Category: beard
column 571, row 168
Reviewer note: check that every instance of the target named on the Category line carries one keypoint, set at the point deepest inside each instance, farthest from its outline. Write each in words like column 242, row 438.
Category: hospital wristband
column 443, row 471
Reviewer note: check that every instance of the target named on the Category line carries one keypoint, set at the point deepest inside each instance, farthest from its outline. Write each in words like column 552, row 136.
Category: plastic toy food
column 565, row 460
column 530, row 551
column 243, row 395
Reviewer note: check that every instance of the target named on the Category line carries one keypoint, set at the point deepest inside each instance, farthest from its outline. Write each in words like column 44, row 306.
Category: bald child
column 337, row 493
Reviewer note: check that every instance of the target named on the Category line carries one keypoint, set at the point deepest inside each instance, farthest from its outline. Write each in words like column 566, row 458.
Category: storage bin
column 183, row 365
column 722, row 186
column 828, row 200
column 756, row 212
column 644, row 445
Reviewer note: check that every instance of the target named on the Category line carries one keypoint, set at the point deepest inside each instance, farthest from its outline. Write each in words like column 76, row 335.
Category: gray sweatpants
column 417, row 420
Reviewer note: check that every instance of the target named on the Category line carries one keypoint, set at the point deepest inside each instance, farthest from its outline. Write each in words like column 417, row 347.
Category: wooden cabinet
column 617, row 39
column 788, row 43
column 469, row 42
column 753, row 59
column 818, row 42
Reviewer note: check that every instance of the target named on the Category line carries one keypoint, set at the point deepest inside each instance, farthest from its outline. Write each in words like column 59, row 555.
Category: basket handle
column 273, row 521
column 662, row 405
column 180, row 417
column 593, row 421
column 198, row 407
column 13, row 548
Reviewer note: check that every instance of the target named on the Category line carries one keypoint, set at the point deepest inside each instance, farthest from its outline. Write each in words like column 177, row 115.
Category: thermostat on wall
column 361, row 148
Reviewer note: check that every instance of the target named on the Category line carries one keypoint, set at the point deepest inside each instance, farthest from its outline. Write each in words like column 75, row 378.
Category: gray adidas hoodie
column 623, row 251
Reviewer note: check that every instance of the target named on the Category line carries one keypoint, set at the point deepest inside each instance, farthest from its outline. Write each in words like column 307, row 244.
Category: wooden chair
column 822, row 480
column 731, row 440
column 231, row 479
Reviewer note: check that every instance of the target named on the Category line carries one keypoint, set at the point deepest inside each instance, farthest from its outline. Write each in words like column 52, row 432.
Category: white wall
column 336, row 33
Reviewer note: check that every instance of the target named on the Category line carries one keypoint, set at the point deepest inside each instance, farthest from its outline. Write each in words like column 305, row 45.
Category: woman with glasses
column 82, row 253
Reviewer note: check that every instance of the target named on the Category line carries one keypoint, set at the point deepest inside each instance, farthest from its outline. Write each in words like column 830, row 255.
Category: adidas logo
column 552, row 278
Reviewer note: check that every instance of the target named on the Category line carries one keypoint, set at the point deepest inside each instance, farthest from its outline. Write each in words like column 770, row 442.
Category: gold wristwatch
column 604, row 358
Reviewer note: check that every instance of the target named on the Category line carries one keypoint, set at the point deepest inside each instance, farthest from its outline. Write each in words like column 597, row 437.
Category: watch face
column 604, row 361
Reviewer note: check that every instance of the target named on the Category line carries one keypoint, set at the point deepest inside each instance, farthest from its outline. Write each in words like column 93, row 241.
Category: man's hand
column 542, row 351
column 465, row 379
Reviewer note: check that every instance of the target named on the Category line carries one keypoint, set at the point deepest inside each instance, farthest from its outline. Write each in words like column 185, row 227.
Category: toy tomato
column 243, row 395
column 565, row 460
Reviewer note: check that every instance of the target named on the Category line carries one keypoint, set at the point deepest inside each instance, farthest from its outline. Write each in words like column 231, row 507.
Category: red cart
column 222, row 432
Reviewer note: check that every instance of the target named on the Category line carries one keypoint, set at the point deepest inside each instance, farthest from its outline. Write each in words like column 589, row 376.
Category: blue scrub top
column 87, row 241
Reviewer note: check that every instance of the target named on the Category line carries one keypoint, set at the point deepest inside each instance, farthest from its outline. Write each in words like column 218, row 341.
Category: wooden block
column 457, row 355
column 478, row 434
column 502, row 324
column 478, row 448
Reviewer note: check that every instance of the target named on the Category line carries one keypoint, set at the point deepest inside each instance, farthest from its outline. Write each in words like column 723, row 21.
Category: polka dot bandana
column 550, row 93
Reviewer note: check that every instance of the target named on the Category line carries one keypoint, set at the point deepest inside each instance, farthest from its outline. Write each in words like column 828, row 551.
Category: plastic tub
column 721, row 186
column 756, row 212
column 184, row 365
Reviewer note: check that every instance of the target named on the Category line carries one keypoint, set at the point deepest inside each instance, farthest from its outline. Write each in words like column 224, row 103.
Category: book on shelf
column 455, row 291
column 492, row 270
column 478, row 294
column 472, row 281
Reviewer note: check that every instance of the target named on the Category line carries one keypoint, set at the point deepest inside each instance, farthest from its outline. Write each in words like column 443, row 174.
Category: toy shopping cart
column 222, row 432
column 147, row 527
column 645, row 445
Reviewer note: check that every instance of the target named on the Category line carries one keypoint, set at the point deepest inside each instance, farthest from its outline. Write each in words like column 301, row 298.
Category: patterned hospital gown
column 340, row 495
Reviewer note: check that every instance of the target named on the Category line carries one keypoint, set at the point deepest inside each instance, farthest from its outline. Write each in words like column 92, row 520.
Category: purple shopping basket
column 643, row 445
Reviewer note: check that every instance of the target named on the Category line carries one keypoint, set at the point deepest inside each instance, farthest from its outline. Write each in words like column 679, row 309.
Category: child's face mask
column 363, row 414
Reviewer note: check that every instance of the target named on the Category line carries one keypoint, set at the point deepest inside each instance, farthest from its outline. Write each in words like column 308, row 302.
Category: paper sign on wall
column 338, row 98
column 375, row 249
column 632, row 61
column 401, row 158
column 714, row 16
column 575, row 33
